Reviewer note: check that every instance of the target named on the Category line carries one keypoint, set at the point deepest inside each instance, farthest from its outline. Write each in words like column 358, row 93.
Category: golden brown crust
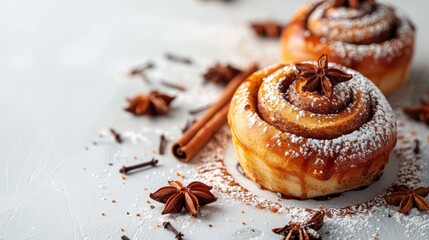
column 300, row 166
column 383, row 52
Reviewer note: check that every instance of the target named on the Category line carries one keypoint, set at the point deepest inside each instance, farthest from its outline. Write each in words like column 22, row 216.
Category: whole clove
column 417, row 146
column 125, row 169
column 140, row 70
column 167, row 225
column 172, row 85
column 118, row 137
column 176, row 58
column 162, row 144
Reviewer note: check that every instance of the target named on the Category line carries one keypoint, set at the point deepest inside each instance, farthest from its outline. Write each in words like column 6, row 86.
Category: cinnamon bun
column 366, row 36
column 307, row 130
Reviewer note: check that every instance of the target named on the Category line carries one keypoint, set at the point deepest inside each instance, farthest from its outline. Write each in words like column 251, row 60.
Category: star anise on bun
column 320, row 78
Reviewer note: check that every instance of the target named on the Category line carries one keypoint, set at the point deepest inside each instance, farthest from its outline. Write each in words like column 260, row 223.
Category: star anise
column 351, row 3
column 154, row 104
column 407, row 198
column 419, row 113
column 221, row 74
column 267, row 29
column 306, row 230
column 176, row 196
column 320, row 78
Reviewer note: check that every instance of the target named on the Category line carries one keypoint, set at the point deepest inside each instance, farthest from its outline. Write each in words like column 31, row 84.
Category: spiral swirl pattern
column 304, row 137
column 365, row 25
column 374, row 39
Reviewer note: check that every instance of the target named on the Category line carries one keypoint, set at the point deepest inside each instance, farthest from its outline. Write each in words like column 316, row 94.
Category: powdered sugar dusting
column 356, row 34
column 361, row 143
column 213, row 171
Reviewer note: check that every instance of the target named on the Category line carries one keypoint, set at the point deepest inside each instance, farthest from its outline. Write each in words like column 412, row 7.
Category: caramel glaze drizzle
column 328, row 169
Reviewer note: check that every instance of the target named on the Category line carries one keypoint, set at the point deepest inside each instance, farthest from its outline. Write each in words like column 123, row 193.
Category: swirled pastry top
column 346, row 130
column 372, row 29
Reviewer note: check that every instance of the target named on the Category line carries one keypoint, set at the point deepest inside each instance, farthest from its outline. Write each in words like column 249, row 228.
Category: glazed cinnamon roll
column 309, row 130
column 369, row 37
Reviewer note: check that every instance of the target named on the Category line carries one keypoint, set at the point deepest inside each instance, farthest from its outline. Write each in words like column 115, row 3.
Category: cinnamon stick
column 203, row 129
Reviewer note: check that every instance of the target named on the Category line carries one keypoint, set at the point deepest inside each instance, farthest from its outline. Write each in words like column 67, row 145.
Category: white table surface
column 62, row 71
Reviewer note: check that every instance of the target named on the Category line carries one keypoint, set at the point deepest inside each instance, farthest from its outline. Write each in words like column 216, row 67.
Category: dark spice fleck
column 152, row 206
column 241, row 171
column 188, row 125
column 110, row 164
column 198, row 110
column 210, row 225
column 417, row 146
column 125, row 169
column 118, row 137
column 162, row 144
column 125, row 238
column 176, row 58
column 221, row 74
column 172, row 85
column 140, row 70
column 167, row 225
column 351, row 3
column 419, row 112
column 267, row 29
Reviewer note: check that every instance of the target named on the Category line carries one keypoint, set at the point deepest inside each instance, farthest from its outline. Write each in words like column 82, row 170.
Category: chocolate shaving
column 118, row 137
column 162, row 144
column 221, row 74
column 176, row 58
column 267, row 29
column 172, row 85
column 179, row 235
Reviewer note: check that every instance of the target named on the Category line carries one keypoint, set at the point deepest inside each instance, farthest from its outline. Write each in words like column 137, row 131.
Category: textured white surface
column 62, row 66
